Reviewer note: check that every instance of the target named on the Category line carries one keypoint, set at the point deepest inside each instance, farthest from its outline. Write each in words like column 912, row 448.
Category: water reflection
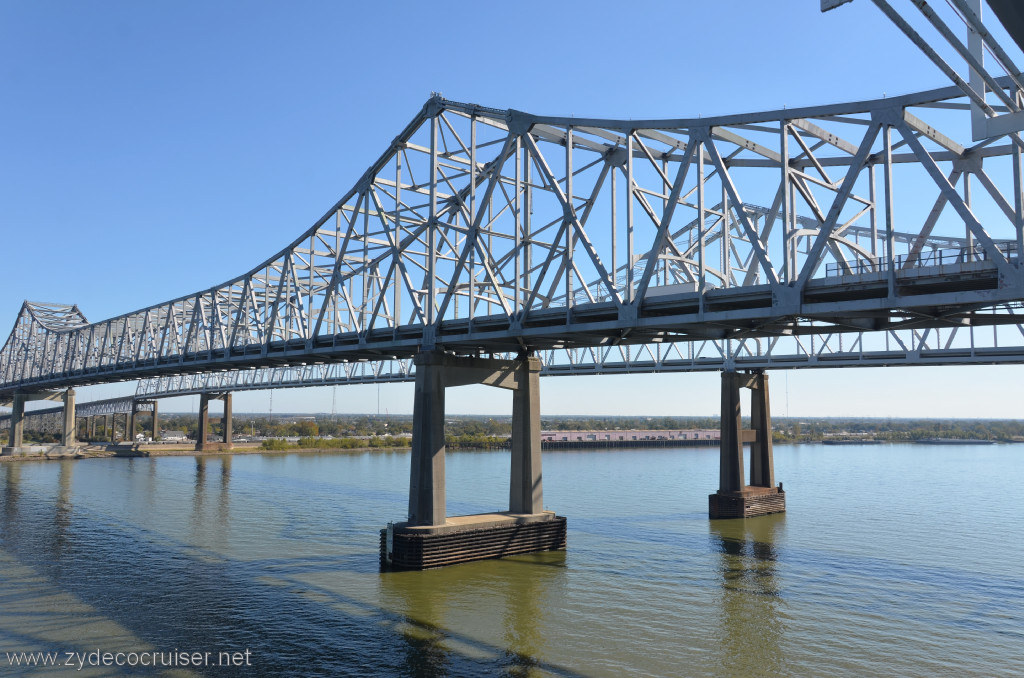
column 525, row 615
column 211, row 530
column 62, row 509
column 224, row 500
column 12, row 479
column 151, row 483
column 451, row 609
column 751, row 624
column 198, row 496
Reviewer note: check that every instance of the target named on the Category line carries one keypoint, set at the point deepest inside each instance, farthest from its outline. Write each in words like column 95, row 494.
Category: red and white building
column 636, row 434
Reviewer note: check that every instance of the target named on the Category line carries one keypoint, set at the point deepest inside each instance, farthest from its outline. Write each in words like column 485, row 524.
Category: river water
column 891, row 560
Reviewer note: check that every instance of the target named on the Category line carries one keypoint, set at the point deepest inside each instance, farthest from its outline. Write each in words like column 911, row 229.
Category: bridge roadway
column 491, row 246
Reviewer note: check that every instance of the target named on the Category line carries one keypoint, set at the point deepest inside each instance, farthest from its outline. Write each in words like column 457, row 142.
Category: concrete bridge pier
column 17, row 438
column 429, row 538
column 68, row 428
column 134, row 417
column 69, row 433
column 204, row 422
column 129, row 429
column 736, row 499
column 155, row 423
column 226, row 422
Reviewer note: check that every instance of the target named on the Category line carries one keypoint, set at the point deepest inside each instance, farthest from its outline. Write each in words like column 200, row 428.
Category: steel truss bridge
column 51, row 419
column 884, row 232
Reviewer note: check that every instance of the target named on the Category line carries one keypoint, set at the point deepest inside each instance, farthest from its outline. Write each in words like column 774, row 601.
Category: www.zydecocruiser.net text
column 175, row 658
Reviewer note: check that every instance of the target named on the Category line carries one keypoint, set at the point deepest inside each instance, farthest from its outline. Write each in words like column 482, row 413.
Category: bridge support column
column 69, row 435
column 430, row 538
column 155, row 425
column 90, row 427
column 226, row 422
column 762, row 463
column 426, row 476
column 17, row 438
column 736, row 499
column 130, row 426
column 204, row 422
column 112, row 421
column 526, row 492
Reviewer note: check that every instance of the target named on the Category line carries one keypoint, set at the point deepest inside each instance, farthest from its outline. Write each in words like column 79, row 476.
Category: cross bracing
column 486, row 231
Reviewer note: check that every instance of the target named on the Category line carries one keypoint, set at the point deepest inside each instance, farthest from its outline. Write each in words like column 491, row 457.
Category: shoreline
column 249, row 448
column 179, row 451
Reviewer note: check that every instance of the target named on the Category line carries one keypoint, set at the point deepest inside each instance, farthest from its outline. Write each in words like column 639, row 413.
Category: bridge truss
column 866, row 233
column 51, row 419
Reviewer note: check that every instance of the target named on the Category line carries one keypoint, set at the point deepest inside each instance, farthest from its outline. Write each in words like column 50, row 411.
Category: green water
column 891, row 560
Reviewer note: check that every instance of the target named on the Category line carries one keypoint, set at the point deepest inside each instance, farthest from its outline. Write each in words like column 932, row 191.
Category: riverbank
column 158, row 450
column 97, row 452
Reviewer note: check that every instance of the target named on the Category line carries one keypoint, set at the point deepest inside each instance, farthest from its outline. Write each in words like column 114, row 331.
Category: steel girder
column 485, row 231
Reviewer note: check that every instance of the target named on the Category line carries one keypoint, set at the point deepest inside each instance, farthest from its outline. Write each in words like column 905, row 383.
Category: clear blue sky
column 152, row 149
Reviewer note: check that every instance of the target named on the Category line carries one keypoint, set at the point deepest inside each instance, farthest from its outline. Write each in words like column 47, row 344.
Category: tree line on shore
column 350, row 431
column 466, row 430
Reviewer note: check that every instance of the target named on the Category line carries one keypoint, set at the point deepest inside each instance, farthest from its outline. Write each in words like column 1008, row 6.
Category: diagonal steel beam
column 666, row 221
column 469, row 243
column 571, row 218
column 730, row 187
column 954, row 199
column 813, row 259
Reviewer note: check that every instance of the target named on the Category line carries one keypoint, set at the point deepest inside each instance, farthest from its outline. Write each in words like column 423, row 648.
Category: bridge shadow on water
column 294, row 613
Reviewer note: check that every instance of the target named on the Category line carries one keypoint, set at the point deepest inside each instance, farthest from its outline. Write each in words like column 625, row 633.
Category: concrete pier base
column 747, row 503
column 463, row 539
column 24, row 450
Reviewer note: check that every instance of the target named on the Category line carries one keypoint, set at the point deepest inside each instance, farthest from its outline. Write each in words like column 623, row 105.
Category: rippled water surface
column 891, row 560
